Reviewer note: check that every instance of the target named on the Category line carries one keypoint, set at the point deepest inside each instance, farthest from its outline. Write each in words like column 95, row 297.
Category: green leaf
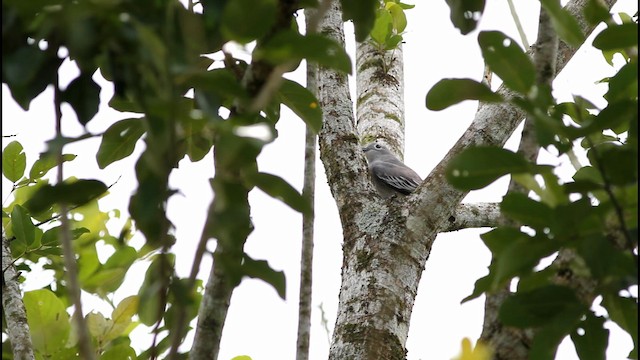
column 399, row 18
column 624, row 312
column 14, row 161
column 520, row 207
column 363, row 14
column 120, row 351
column 591, row 338
column 75, row 194
column 277, row 188
column 83, row 94
column 119, row 141
column 619, row 163
column 564, row 23
column 507, row 60
column 23, row 228
column 260, row 269
column 447, row 92
column 624, row 85
column 595, row 12
column 538, row 307
column 247, row 20
column 155, row 280
column 48, row 320
column 465, row 14
column 478, row 167
column 45, row 163
column 288, row 46
column 383, row 27
column 617, row 37
column 302, row 102
column 122, row 315
column 515, row 253
column 548, row 337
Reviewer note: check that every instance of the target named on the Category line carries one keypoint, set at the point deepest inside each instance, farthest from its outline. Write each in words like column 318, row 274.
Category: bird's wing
column 398, row 177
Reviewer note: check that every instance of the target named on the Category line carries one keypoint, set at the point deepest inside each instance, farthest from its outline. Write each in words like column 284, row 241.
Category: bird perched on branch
column 388, row 174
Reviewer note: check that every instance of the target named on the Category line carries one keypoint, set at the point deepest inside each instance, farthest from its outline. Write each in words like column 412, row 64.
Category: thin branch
column 467, row 216
column 516, row 19
column 84, row 340
column 13, row 308
column 308, row 192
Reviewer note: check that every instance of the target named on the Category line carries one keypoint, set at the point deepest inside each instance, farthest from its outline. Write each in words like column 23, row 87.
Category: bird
column 388, row 174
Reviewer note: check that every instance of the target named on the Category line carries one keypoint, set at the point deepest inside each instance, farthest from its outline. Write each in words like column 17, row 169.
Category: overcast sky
column 259, row 323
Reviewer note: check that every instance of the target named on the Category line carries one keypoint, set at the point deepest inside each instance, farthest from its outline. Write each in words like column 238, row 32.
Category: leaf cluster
column 591, row 221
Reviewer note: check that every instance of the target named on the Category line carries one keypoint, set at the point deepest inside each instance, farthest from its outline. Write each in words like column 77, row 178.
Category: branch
column 467, row 216
column 435, row 200
column 14, row 312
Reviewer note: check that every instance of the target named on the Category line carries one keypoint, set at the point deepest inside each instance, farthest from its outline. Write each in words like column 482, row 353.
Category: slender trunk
column 14, row 312
column 306, row 261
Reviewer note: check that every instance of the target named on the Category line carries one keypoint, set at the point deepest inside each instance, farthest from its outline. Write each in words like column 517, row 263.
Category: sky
column 259, row 323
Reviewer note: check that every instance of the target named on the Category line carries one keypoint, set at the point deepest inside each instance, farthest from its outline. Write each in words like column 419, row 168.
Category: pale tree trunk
column 386, row 243
column 13, row 308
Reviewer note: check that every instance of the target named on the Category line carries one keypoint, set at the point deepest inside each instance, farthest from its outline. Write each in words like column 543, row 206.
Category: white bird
column 388, row 174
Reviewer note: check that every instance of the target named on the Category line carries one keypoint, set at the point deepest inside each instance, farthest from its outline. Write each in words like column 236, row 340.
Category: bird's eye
column 378, row 146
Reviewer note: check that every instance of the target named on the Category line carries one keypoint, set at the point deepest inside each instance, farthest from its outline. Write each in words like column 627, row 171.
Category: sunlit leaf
column 14, row 161
column 48, row 320
column 23, row 228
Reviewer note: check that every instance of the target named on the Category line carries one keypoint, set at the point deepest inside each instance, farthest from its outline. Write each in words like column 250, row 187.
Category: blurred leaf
column 302, row 102
column 591, row 338
column 507, row 60
column 260, row 269
column 98, row 325
column 624, row 312
column 120, row 351
column 624, row 85
column 119, row 141
column 564, row 23
column 465, row 14
column 363, row 14
column 475, row 168
column 595, row 12
column 45, row 163
column 515, row 253
column 14, row 161
column 48, row 320
column 122, row 315
column 83, row 94
column 550, row 335
column 617, row 37
column 150, row 293
column 520, row 207
column 23, row 228
column 247, row 20
column 538, row 307
column 449, row 92
column 76, row 193
column 278, row 188
column 288, row 46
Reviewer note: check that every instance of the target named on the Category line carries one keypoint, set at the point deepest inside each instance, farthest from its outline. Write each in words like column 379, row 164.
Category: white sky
column 259, row 323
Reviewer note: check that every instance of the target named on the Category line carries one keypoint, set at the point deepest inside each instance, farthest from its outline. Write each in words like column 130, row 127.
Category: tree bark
column 14, row 312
